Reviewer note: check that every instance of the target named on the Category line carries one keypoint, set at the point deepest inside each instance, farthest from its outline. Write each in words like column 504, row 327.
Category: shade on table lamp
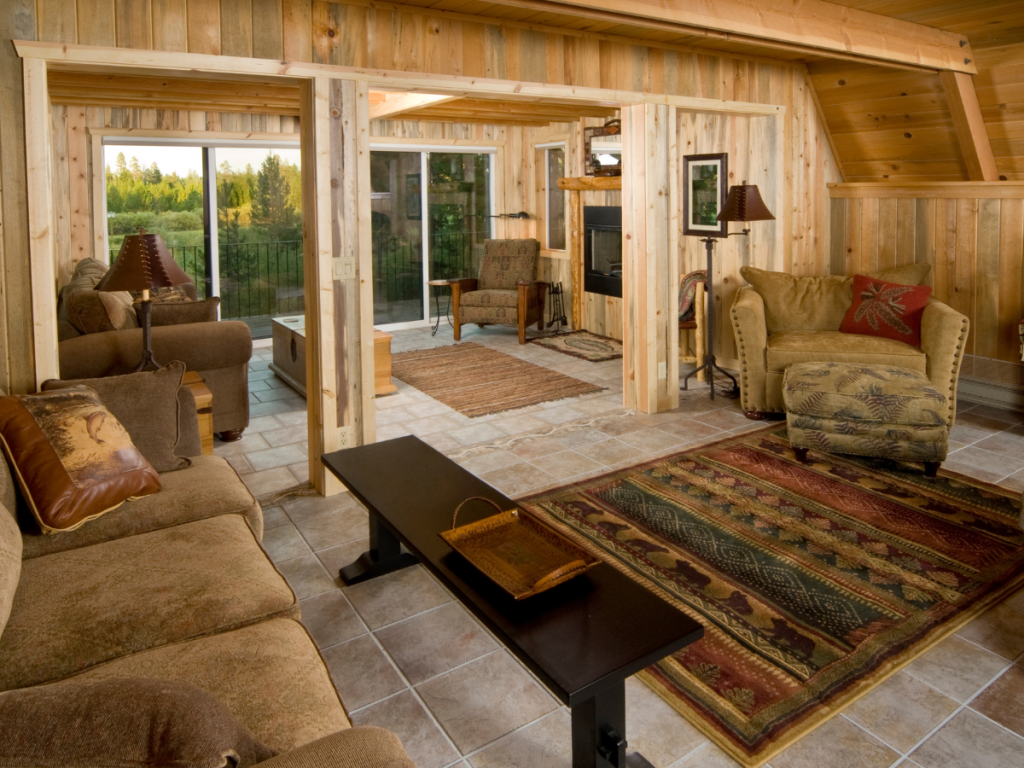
column 743, row 203
column 143, row 264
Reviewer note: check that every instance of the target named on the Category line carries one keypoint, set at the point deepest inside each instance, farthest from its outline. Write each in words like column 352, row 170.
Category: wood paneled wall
column 975, row 245
column 379, row 37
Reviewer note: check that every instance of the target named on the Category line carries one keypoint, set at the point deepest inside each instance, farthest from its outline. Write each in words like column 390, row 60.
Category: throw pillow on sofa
column 183, row 313
column 128, row 722
column 888, row 310
column 92, row 311
column 73, row 460
column 147, row 406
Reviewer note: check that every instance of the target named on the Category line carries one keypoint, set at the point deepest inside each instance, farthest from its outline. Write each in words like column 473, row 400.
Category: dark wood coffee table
column 582, row 639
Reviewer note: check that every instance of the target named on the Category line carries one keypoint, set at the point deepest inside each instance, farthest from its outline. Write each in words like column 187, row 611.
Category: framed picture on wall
column 705, row 184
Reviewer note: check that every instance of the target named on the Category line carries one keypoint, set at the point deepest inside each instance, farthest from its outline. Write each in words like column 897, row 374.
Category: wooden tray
column 515, row 551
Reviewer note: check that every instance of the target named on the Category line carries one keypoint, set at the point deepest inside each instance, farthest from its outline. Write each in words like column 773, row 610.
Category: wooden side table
column 204, row 408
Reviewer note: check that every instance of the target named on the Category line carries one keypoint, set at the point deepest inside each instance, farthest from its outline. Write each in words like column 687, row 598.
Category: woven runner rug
column 477, row 380
column 814, row 583
column 584, row 345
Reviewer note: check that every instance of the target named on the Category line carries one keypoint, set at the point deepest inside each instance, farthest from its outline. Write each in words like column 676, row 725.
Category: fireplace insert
column 602, row 250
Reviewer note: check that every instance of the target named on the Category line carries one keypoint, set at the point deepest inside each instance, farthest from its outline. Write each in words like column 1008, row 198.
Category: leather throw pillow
column 130, row 722
column 147, row 405
column 888, row 310
column 73, row 459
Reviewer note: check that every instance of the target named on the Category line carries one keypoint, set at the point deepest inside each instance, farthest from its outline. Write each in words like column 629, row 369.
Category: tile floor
column 406, row 657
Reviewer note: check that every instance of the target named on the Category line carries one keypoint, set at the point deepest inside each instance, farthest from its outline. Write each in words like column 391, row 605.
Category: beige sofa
column 175, row 586
column 781, row 319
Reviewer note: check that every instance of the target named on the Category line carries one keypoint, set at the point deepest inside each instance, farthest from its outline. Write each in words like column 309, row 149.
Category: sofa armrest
column 531, row 293
column 201, row 346
column 943, row 337
column 463, row 284
column 361, row 747
column 751, row 331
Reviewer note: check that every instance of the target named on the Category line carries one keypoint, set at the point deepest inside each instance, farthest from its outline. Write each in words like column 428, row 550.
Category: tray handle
column 472, row 498
column 558, row 573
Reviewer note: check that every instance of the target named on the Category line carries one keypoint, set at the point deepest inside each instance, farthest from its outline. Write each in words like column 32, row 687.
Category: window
column 554, row 165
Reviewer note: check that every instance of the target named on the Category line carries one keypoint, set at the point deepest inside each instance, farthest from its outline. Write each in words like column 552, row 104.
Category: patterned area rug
column 814, row 583
column 584, row 345
column 477, row 380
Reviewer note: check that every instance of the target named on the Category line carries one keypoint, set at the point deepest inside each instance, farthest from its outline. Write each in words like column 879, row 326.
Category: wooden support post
column 41, row 245
column 576, row 257
column 650, row 286
column 407, row 102
column 970, row 126
column 336, row 259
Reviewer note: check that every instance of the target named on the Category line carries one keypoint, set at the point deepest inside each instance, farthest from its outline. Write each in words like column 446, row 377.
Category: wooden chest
column 289, row 337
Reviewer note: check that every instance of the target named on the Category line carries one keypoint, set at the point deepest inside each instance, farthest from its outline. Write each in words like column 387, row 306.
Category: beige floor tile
column 273, row 517
column 246, row 444
column 439, row 441
column 330, row 619
column 292, row 418
column 622, row 425
column 429, row 408
column 517, row 479
column 612, row 452
column 283, row 542
column 1009, row 442
column 561, row 414
column 519, row 424
column 836, row 744
column 725, row 418
column 485, row 699
column 477, row 433
column 329, row 528
column 300, row 470
column 306, row 576
column 577, row 438
column 430, row 424
column 434, row 642
column 395, row 596
column 566, row 464
column 708, row 756
column 689, row 430
column 980, row 418
column 1003, row 701
column 546, row 743
column 536, row 448
column 490, row 461
column 965, row 435
column 901, row 711
column 971, row 741
column 276, row 457
column 983, row 465
column 240, row 464
column 404, row 716
column 336, row 558
column 361, row 672
column 1000, row 630
column 393, row 416
column 390, row 432
column 652, row 440
column 272, row 394
column 263, row 424
column 999, row 414
column 957, row 668
column 656, row 730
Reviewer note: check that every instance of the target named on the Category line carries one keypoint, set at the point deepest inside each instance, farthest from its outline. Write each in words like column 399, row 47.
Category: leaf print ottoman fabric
column 889, row 310
column 867, row 410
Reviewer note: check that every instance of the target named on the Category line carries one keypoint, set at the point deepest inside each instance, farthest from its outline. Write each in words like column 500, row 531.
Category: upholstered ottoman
column 867, row 410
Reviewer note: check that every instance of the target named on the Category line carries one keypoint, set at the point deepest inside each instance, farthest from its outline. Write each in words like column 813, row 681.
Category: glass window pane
column 396, row 215
column 556, row 199
column 459, row 206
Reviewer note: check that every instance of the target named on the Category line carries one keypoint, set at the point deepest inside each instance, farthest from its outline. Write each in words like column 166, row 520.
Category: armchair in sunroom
column 506, row 292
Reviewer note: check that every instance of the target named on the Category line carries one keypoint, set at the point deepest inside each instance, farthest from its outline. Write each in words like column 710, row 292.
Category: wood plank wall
column 974, row 244
column 379, row 37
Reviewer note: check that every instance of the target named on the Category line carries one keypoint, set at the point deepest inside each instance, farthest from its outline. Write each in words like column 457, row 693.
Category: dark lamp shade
column 744, row 203
column 143, row 264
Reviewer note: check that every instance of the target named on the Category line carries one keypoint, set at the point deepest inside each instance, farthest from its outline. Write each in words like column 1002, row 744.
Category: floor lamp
column 744, row 203
column 143, row 264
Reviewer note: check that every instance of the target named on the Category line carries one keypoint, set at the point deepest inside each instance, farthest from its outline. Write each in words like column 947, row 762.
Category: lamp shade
column 744, row 203
column 143, row 264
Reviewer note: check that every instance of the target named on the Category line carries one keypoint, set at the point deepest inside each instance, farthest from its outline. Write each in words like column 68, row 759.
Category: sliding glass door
column 425, row 232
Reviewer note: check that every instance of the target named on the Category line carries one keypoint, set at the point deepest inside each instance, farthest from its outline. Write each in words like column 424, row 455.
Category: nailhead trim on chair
column 956, row 358
column 743, row 355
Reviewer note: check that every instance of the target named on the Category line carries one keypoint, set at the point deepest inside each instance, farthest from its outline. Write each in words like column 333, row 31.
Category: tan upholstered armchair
column 505, row 293
column 781, row 319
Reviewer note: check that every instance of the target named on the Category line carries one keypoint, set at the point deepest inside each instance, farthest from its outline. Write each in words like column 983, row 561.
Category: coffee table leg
column 599, row 732
column 384, row 556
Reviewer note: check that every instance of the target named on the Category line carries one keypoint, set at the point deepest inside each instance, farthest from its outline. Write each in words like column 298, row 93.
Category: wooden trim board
column 936, row 190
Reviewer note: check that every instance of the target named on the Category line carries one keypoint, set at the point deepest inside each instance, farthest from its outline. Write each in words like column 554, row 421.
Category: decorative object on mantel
column 744, row 203
column 516, row 551
column 602, row 158
column 810, row 593
column 143, row 264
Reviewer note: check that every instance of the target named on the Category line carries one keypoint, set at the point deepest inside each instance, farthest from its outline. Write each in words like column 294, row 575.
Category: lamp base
column 711, row 366
column 146, row 308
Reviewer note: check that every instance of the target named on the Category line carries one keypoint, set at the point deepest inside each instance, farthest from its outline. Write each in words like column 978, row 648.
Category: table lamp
column 743, row 203
column 143, row 264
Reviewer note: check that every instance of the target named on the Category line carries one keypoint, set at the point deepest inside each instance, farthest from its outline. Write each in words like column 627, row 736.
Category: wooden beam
column 408, row 102
column 814, row 26
column 934, row 190
column 41, row 244
column 95, row 58
column 970, row 126
column 591, row 182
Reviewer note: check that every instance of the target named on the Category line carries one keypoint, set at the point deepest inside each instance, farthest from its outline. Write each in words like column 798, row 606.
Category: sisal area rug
column 814, row 583
column 584, row 345
column 477, row 380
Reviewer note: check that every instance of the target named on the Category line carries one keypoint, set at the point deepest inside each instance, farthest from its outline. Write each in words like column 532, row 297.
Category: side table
column 204, row 408
column 437, row 303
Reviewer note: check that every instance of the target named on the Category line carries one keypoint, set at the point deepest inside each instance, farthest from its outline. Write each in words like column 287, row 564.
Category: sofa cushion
column 507, row 262
column 209, row 488
column 489, row 298
column 73, row 459
column 182, row 313
column 10, row 556
column 92, row 311
column 816, row 303
column 146, row 404
column 127, row 722
column 74, row 610
column 789, row 347
column 269, row 675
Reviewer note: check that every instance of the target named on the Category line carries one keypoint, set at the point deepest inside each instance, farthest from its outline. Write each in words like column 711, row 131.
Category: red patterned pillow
column 889, row 310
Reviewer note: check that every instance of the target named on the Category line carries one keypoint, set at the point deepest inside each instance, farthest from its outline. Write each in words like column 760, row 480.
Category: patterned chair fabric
column 507, row 262
column 491, row 298
column 866, row 410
